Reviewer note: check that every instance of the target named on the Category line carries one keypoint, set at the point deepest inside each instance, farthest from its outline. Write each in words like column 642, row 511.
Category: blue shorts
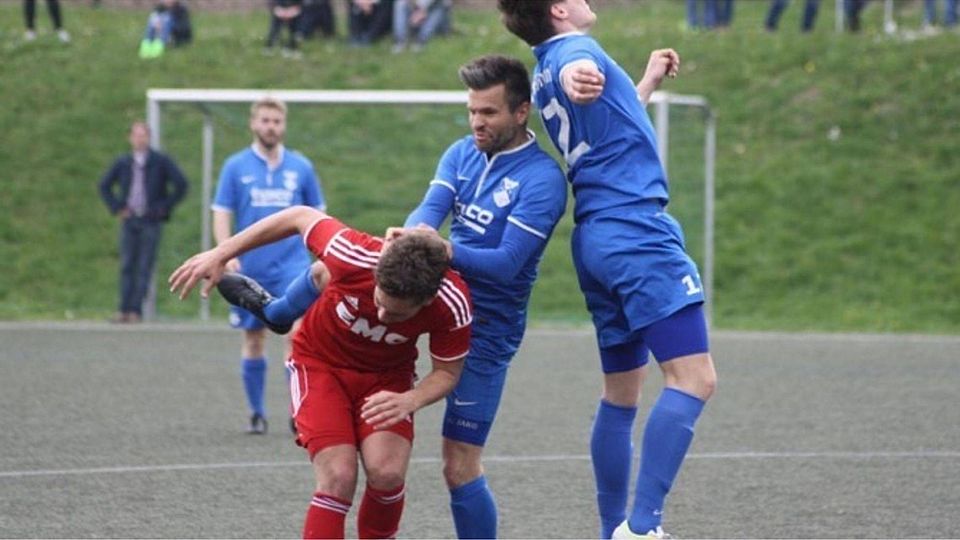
column 243, row 319
column 681, row 334
column 473, row 404
column 633, row 270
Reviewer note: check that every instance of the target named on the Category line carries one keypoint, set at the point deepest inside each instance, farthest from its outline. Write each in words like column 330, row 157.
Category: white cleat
column 623, row 532
column 63, row 36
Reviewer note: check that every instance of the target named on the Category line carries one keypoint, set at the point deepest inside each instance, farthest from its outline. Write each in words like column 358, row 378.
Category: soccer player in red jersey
column 352, row 367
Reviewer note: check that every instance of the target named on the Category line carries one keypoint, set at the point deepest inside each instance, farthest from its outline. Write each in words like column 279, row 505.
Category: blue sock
column 295, row 300
column 474, row 510
column 665, row 442
column 254, row 372
column 611, row 449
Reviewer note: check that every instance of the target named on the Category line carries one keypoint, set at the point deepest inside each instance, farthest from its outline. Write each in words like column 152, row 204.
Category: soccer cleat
column 623, row 532
column 244, row 292
column 258, row 425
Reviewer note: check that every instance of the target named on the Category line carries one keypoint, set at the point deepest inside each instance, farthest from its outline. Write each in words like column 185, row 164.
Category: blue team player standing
column 254, row 183
column 506, row 195
column 642, row 289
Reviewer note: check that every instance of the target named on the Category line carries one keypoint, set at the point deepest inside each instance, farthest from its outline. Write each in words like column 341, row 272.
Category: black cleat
column 245, row 292
column 258, row 425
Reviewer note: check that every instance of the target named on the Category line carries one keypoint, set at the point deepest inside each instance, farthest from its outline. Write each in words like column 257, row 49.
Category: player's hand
column 583, row 84
column 233, row 265
column 206, row 266
column 663, row 63
column 385, row 409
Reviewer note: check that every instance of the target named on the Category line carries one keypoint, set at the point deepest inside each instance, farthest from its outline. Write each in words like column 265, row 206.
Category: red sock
column 325, row 517
column 380, row 511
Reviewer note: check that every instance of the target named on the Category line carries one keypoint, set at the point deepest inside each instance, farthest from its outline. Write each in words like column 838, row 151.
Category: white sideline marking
column 920, row 454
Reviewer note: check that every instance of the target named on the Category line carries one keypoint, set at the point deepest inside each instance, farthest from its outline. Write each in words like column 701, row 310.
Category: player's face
column 393, row 310
column 579, row 13
column 494, row 127
column 268, row 126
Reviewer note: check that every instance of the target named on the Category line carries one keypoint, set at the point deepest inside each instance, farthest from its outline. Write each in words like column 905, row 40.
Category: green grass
column 859, row 231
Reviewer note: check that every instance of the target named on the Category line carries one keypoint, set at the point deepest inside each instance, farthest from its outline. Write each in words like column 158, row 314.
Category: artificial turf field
column 138, row 432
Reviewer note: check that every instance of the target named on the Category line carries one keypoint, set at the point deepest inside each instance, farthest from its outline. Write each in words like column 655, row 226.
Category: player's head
column 268, row 121
column 498, row 100
column 408, row 275
column 139, row 136
column 536, row 21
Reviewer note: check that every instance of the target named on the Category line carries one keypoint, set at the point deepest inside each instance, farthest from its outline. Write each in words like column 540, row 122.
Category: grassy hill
column 838, row 180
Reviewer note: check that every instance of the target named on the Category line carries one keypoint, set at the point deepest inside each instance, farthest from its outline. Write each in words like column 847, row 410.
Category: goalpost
column 660, row 102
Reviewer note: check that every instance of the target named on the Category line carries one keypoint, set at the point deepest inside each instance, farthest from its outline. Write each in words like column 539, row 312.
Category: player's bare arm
column 208, row 266
column 385, row 409
column 663, row 63
column 582, row 81
column 222, row 228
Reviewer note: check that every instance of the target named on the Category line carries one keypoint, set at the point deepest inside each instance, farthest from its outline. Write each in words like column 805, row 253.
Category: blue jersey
column 523, row 187
column 251, row 191
column 609, row 145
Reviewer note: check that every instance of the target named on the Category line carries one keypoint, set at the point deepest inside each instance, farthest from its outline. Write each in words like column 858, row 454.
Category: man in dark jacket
column 141, row 188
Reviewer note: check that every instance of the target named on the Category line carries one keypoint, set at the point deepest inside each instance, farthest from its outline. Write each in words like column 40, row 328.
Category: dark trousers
column 139, row 239
column 276, row 26
column 809, row 14
column 367, row 28
column 30, row 13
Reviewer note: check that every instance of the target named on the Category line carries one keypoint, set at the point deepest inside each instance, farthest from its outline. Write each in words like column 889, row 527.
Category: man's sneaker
column 623, row 532
column 63, row 36
column 244, row 292
column 29, row 35
column 258, row 425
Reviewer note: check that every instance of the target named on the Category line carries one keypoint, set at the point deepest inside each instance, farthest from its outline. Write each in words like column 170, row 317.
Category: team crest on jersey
column 501, row 197
column 290, row 180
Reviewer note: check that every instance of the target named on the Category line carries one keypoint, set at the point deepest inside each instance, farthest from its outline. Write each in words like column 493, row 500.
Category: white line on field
column 919, row 454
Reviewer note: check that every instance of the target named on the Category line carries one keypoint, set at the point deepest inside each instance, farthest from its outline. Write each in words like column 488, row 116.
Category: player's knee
column 385, row 475
column 459, row 469
column 338, row 480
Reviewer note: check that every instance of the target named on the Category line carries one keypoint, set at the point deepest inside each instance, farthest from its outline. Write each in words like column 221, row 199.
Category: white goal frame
column 660, row 101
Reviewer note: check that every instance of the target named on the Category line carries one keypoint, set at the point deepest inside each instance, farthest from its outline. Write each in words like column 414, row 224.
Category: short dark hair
column 413, row 267
column 528, row 19
column 488, row 71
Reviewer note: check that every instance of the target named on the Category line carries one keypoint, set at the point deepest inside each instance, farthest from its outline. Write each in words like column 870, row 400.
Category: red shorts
column 326, row 402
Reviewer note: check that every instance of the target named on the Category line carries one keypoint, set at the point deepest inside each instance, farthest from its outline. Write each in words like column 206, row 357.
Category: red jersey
column 342, row 329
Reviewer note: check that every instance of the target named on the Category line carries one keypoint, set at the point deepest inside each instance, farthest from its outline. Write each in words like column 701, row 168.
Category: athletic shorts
column 243, row 319
column 326, row 402
column 633, row 270
column 473, row 404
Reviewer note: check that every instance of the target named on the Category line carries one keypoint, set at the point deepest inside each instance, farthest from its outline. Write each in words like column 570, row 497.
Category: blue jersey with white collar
column 609, row 145
column 523, row 188
column 251, row 191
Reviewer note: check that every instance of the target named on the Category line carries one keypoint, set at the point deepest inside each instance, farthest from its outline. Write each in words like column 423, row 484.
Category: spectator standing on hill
column 368, row 20
column 140, row 188
column 701, row 14
column 53, row 9
column 642, row 289
column 255, row 183
column 424, row 18
column 317, row 14
column 776, row 9
column 353, row 365
column 285, row 14
column 724, row 11
column 168, row 25
column 851, row 10
column 930, row 13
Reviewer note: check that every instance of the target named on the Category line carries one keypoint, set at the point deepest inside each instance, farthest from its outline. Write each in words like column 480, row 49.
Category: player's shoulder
column 239, row 158
column 461, row 147
column 349, row 246
column 298, row 158
column 453, row 300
